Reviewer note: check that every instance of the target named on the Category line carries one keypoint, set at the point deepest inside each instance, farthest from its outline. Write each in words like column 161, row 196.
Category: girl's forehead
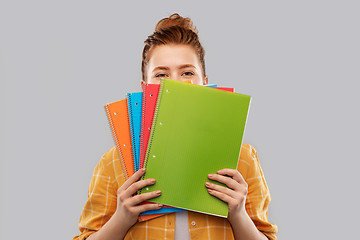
column 173, row 56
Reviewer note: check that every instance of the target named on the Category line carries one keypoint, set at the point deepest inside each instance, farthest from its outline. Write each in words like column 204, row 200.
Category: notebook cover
column 135, row 110
column 149, row 102
column 118, row 117
column 195, row 131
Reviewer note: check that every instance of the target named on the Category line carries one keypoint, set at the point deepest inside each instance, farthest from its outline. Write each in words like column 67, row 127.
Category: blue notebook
column 163, row 210
column 135, row 111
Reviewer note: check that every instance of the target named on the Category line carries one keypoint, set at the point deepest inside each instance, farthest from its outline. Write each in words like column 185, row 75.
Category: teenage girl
column 174, row 51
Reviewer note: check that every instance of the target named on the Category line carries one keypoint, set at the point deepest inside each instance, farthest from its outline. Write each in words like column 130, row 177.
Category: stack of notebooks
column 180, row 133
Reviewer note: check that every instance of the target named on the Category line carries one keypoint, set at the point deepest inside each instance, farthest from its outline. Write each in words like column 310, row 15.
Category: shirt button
column 193, row 223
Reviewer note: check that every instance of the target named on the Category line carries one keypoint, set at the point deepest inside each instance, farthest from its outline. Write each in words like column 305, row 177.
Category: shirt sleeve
column 102, row 198
column 258, row 198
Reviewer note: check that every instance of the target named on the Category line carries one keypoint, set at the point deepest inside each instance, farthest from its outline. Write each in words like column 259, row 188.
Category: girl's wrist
column 239, row 216
column 122, row 220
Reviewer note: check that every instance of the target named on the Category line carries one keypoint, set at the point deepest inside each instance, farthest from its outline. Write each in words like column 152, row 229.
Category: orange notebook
column 118, row 116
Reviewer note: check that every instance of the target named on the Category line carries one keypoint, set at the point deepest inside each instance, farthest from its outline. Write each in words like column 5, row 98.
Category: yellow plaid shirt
column 108, row 177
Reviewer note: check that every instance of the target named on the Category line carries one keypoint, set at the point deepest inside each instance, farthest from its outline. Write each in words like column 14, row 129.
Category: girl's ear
column 142, row 84
column 206, row 80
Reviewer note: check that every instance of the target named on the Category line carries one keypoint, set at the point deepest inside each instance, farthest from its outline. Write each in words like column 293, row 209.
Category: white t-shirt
column 182, row 226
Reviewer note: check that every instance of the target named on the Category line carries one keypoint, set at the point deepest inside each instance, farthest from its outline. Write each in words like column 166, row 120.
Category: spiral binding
column 128, row 120
column 142, row 124
column 153, row 125
column 116, row 141
column 132, row 128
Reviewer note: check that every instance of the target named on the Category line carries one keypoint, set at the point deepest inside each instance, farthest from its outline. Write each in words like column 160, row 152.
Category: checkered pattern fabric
column 108, row 177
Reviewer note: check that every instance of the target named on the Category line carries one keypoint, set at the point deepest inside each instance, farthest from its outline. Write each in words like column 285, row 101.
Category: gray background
column 61, row 61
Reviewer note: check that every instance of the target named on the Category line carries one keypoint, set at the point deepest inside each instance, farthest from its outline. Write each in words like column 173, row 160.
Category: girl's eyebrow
column 186, row 66
column 160, row 68
column 167, row 68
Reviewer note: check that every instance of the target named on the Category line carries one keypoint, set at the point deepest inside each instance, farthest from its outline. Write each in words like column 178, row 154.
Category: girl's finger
column 147, row 207
column 136, row 176
column 221, row 189
column 221, row 196
column 131, row 190
column 235, row 174
column 228, row 181
column 137, row 199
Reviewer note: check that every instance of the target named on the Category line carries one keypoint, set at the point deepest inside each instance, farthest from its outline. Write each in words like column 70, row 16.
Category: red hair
column 173, row 30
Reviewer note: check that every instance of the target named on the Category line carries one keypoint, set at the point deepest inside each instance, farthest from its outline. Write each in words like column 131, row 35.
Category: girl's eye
column 160, row 75
column 189, row 74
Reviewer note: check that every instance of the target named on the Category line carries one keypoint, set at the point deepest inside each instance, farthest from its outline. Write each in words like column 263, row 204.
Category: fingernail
column 160, row 205
column 158, row 192
column 210, row 175
column 152, row 181
column 207, row 184
column 143, row 169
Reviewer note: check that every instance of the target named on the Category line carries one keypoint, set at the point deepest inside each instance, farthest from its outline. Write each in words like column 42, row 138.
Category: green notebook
column 196, row 131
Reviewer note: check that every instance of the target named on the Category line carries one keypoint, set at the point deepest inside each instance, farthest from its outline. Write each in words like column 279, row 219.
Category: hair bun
column 175, row 20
